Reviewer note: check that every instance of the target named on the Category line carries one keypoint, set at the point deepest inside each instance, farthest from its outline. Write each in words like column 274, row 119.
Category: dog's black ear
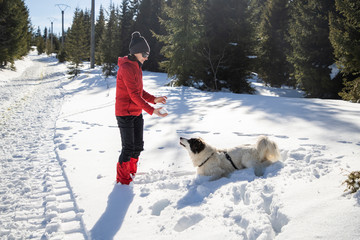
column 196, row 145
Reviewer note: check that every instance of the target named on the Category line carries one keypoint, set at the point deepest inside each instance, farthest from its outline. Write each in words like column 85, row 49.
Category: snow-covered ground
column 60, row 143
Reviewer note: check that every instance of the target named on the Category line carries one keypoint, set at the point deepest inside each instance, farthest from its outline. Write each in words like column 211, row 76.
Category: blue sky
column 41, row 11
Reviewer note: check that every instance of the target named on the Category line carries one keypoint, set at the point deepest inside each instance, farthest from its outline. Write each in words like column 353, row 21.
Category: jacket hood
column 122, row 60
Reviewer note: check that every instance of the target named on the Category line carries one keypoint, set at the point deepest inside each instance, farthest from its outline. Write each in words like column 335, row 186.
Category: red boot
column 133, row 166
column 123, row 173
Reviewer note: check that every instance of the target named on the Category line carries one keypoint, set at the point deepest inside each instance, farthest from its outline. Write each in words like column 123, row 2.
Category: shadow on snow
column 111, row 220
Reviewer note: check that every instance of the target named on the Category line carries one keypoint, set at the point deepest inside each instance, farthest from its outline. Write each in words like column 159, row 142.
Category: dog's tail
column 267, row 149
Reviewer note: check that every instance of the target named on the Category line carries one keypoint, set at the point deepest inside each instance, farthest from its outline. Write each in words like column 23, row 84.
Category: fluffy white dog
column 220, row 162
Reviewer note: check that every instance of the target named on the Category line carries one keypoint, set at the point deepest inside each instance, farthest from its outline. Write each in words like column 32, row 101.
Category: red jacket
column 131, row 98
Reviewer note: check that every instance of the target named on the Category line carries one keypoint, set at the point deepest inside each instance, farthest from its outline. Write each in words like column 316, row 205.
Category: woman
column 131, row 99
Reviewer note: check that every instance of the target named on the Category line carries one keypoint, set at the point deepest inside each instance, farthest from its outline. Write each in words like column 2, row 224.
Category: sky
column 43, row 12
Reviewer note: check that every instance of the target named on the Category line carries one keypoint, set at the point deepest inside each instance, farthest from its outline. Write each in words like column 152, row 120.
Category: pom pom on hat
column 138, row 44
column 135, row 35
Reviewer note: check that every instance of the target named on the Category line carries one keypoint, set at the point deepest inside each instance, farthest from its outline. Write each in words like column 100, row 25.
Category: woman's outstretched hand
column 160, row 100
column 160, row 113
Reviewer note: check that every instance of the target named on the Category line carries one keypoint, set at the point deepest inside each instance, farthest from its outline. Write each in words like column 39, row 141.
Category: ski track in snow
column 37, row 201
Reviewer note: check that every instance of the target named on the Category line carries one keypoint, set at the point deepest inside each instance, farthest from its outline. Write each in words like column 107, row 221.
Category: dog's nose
column 181, row 138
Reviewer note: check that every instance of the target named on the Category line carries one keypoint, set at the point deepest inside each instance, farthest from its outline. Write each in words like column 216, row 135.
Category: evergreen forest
column 312, row 45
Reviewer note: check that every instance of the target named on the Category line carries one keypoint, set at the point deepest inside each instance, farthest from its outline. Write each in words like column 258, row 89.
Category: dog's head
column 197, row 149
column 193, row 145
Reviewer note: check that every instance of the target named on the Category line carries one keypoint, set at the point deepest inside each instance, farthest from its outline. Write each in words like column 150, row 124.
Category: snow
column 334, row 71
column 263, row 90
column 60, row 143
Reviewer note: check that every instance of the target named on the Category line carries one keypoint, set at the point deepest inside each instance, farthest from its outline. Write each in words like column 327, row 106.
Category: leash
column 227, row 157
column 230, row 160
column 205, row 160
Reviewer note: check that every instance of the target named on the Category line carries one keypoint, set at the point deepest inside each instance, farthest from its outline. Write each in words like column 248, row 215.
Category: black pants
column 132, row 133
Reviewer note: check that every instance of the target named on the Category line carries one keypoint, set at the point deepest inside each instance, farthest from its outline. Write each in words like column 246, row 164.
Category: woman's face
column 140, row 57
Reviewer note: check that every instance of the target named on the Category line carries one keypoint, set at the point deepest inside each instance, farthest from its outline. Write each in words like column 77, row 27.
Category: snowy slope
column 70, row 148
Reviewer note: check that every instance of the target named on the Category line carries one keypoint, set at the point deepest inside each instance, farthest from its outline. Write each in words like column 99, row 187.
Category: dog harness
column 227, row 157
column 206, row 160
column 231, row 161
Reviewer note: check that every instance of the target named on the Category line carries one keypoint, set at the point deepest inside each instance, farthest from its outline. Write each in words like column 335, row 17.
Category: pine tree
column 54, row 46
column 119, row 38
column 271, row 46
column 39, row 42
column 56, row 43
column 15, row 31
column 345, row 39
column 48, row 49
column 214, row 42
column 240, row 48
column 87, row 26
column 312, row 53
column 181, row 44
column 76, row 44
column 126, row 25
column 256, row 9
column 109, row 56
column 147, row 21
column 226, row 45
column 99, row 32
column 40, row 46
column 62, row 55
column 46, row 39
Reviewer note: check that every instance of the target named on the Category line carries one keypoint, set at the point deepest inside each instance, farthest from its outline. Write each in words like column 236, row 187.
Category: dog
column 218, row 163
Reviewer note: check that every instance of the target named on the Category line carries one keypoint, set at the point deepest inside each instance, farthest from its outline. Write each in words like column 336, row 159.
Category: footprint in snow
column 297, row 156
column 303, row 139
column 187, row 221
column 159, row 206
column 144, row 192
column 281, row 136
column 62, row 146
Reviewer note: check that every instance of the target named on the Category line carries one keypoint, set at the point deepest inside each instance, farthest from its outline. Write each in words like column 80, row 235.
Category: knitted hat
column 138, row 44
